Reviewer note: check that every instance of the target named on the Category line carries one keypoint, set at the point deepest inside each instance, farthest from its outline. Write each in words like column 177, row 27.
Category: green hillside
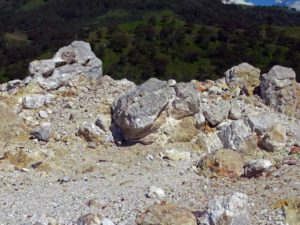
column 138, row 39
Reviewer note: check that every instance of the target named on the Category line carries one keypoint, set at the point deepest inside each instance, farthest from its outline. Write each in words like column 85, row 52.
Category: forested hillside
column 139, row 39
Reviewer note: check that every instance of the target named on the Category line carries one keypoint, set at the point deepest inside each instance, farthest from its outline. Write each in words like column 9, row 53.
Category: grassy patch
column 33, row 4
column 292, row 32
column 15, row 37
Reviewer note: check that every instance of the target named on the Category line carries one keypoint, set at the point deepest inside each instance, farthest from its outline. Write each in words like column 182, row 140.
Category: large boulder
column 187, row 100
column 243, row 77
column 216, row 113
column 262, row 122
column 80, row 52
column 227, row 210
column 68, row 63
column 137, row 112
column 274, row 139
column 223, row 163
column 278, row 89
column 166, row 214
column 209, row 142
column 233, row 135
column 145, row 109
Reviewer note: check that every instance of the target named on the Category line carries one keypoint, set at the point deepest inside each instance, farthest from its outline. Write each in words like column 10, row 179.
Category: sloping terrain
column 74, row 142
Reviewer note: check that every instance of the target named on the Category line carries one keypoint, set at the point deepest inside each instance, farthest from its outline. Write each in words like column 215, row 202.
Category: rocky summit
column 78, row 147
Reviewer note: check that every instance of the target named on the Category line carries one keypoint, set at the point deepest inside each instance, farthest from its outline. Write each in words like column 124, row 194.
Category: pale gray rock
column 91, row 133
column 233, row 135
column 33, row 102
column 227, row 210
column 155, row 192
column 42, row 67
column 261, row 122
column 187, row 100
column 274, row 139
column 216, row 113
column 256, row 167
column 67, row 64
column 137, row 112
column 14, row 84
column 42, row 133
column 107, row 221
column 199, row 119
column 235, row 111
column 43, row 114
column 243, row 77
column 80, row 52
column 3, row 87
column 27, row 80
column 176, row 155
column 278, row 89
column 209, row 142
column 172, row 82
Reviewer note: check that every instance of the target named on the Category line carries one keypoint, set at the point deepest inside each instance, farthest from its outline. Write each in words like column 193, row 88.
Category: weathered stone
column 260, row 123
column 137, row 112
column 293, row 132
column 99, row 123
column 176, row 155
column 295, row 149
column 291, row 208
column 274, row 139
column 14, row 84
column 229, row 210
column 215, row 114
column 187, row 100
column 199, row 120
column 89, row 219
column 43, row 114
column 172, row 82
column 222, row 163
column 243, row 77
column 42, row 67
column 256, row 167
column 80, row 52
column 107, row 221
column 278, row 89
column 33, row 102
column 184, row 131
column 233, row 135
column 209, row 142
column 3, row 87
column 91, row 133
column 235, row 111
column 67, row 64
column 42, row 133
column 166, row 214
column 155, row 192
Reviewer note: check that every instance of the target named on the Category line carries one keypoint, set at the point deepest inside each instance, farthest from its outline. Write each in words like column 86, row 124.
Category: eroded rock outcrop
column 68, row 63
column 278, row 89
column 243, row 78
column 145, row 109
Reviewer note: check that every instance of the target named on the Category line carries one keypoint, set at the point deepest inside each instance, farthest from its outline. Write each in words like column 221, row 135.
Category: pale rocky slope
column 74, row 142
